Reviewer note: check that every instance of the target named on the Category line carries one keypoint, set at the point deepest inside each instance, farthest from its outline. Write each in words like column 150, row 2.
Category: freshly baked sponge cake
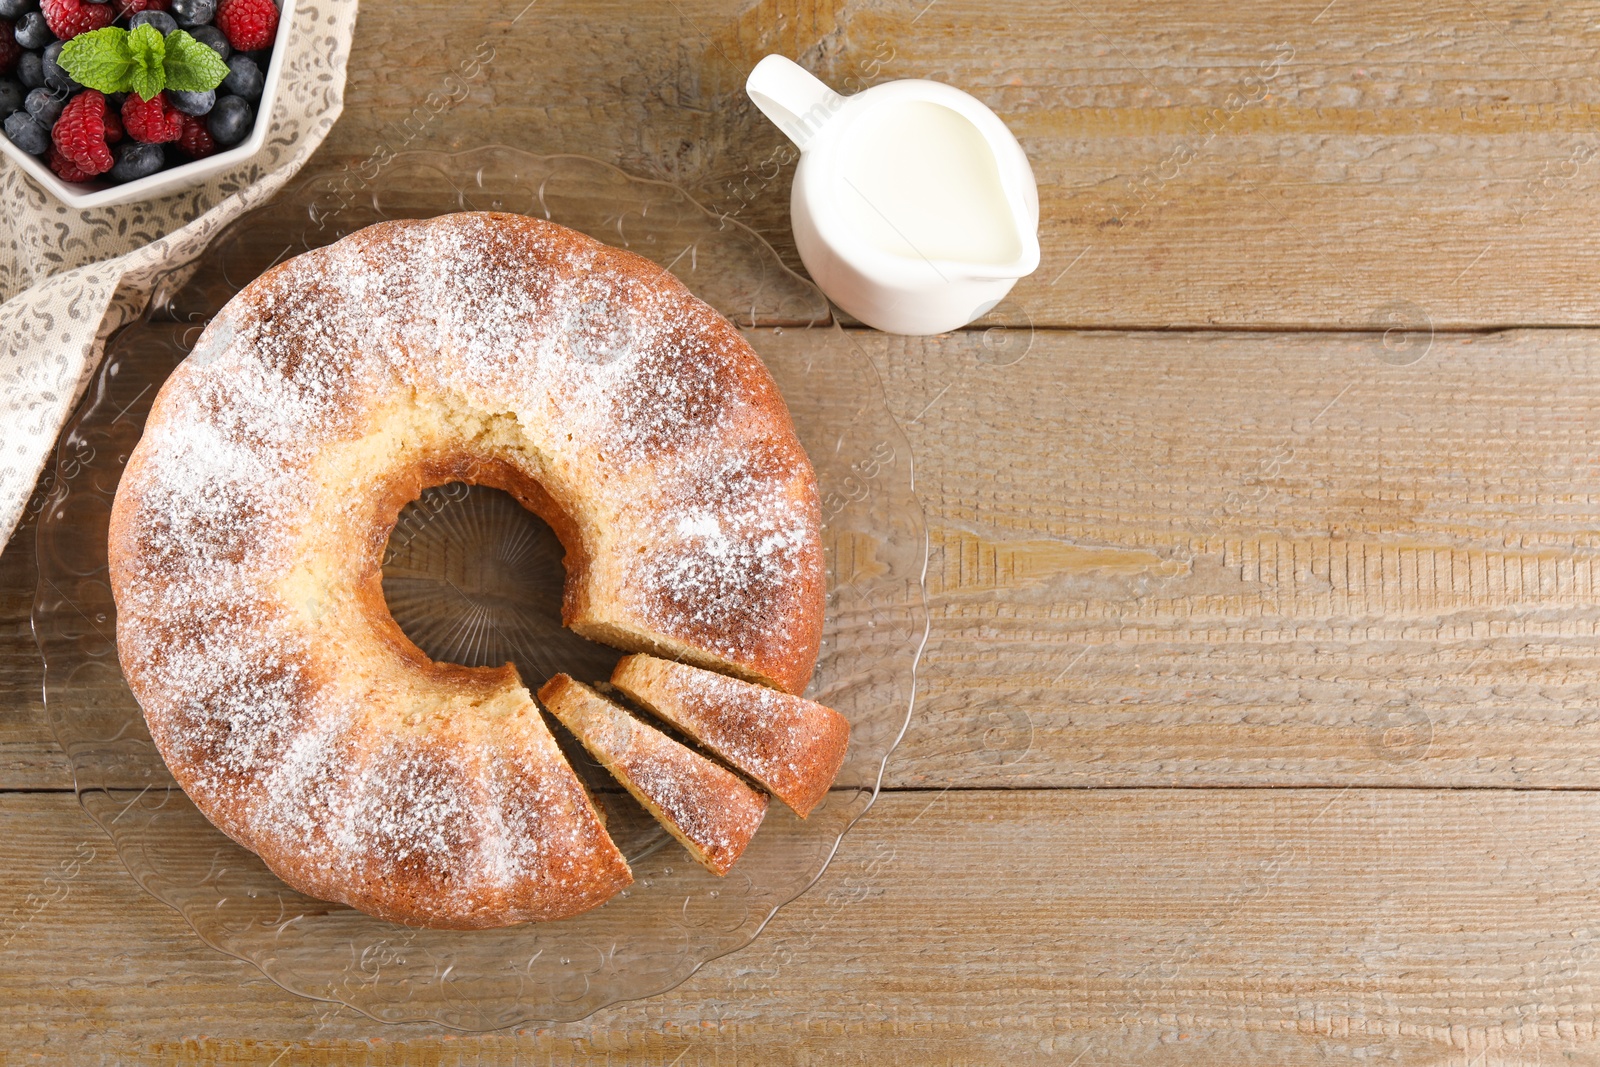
column 248, row 532
column 709, row 809
column 790, row 746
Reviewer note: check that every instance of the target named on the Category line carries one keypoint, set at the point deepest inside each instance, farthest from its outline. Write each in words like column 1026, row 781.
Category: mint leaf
column 191, row 66
column 100, row 59
column 147, row 49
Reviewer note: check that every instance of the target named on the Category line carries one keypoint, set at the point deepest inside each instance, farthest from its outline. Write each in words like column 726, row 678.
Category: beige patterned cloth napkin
column 71, row 278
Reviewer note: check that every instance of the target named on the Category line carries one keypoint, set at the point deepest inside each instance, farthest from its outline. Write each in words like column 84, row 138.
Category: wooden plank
column 1151, row 926
column 29, row 756
column 1254, row 558
column 1199, row 164
column 1222, row 559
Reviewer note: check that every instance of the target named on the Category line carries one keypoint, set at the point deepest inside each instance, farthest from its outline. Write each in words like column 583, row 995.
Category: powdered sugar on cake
column 231, row 609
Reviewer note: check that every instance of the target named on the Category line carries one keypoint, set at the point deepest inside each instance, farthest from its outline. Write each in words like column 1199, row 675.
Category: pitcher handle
column 795, row 100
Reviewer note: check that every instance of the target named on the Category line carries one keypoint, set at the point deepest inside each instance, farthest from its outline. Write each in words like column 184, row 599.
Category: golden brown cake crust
column 791, row 746
column 709, row 809
column 248, row 531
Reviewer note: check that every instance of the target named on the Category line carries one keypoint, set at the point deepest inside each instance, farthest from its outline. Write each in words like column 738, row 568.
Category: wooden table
column 1260, row 717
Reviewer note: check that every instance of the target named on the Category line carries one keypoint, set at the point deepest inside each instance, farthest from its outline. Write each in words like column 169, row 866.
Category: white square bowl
column 85, row 195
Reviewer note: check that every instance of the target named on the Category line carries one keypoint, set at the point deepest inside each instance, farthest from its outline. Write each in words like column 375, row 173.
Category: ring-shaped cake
column 248, row 534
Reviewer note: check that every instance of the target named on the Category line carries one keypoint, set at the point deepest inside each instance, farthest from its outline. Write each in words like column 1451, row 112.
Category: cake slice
column 708, row 808
column 790, row 746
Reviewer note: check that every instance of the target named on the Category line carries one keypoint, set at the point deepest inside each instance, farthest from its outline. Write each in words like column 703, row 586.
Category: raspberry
column 68, row 18
column 196, row 142
column 248, row 24
column 10, row 50
column 129, row 8
column 113, row 127
column 152, row 121
column 80, row 133
column 65, row 169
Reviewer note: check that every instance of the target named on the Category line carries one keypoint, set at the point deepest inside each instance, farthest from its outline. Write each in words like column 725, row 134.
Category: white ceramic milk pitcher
column 914, row 208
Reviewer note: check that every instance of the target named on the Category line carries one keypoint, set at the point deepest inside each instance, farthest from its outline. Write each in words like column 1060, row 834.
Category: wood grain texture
column 29, row 756
column 1200, row 164
column 1267, row 926
column 1254, row 558
column 1193, row 558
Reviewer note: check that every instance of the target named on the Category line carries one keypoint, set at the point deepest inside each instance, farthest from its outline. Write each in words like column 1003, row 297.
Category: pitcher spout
column 1026, row 262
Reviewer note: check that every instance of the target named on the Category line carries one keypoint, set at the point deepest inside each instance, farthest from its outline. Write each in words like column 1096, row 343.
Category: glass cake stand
column 475, row 579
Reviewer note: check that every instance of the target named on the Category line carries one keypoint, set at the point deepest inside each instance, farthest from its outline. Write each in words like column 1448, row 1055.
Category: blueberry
column 55, row 75
column 192, row 103
column 212, row 37
column 163, row 22
column 33, row 31
column 25, row 131
column 244, row 78
column 135, row 160
column 230, row 121
column 15, row 9
column 11, row 96
column 193, row 12
column 45, row 105
column 31, row 69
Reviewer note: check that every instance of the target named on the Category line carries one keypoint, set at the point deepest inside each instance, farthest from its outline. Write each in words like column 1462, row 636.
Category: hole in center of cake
column 472, row 577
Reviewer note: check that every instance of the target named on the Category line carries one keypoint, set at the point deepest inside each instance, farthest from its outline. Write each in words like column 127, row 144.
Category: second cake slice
column 790, row 746
column 709, row 809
